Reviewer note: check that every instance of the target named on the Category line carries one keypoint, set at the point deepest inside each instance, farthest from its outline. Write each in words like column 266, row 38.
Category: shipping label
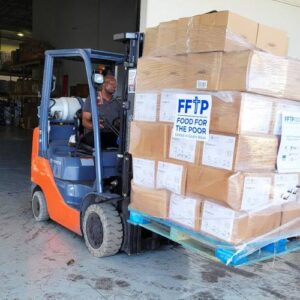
column 144, row 172
column 217, row 220
column 145, row 107
column 263, row 115
column 183, row 149
column 168, row 107
column 288, row 159
column 169, row 176
column 256, row 193
column 183, row 210
column 218, row 151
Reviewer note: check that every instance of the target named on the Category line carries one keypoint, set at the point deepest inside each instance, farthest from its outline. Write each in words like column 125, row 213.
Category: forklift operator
column 109, row 111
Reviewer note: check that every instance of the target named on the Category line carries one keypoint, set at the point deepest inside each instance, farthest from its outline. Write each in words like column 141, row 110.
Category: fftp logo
column 195, row 106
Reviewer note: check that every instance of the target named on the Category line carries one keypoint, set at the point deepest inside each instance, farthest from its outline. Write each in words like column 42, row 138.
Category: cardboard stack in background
column 227, row 187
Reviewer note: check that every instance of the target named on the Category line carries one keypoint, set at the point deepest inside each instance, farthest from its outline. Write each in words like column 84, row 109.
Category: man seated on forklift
column 109, row 111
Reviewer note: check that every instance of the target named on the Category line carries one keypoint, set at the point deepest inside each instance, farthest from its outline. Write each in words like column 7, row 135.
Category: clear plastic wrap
column 250, row 71
column 232, row 235
column 232, row 112
column 219, row 31
column 238, row 190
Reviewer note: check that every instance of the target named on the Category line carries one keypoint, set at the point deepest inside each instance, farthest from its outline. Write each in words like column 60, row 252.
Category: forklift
column 84, row 189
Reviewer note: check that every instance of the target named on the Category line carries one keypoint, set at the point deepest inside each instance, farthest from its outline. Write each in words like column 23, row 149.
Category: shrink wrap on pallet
column 238, row 227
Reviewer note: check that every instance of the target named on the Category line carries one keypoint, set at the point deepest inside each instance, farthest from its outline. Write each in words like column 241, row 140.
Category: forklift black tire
column 102, row 229
column 39, row 206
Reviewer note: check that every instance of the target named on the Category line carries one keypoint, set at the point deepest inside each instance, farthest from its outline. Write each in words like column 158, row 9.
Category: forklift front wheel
column 102, row 229
column 39, row 206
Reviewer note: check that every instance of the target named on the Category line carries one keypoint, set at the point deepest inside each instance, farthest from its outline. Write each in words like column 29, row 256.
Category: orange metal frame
column 42, row 176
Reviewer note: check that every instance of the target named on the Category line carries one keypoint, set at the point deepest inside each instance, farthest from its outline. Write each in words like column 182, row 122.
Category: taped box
column 238, row 227
column 220, row 31
column 150, row 201
column 148, row 139
column 261, row 73
column 240, row 190
column 229, row 152
column 245, row 71
column 239, row 152
column 185, row 211
column 272, row 40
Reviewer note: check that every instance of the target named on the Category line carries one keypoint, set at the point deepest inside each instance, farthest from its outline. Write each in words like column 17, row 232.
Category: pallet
column 212, row 248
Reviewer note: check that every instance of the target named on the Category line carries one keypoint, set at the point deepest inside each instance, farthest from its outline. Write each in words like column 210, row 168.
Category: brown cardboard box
column 186, row 211
column 291, row 213
column 149, row 139
column 150, row 201
column 154, row 74
column 258, row 72
column 239, row 152
column 238, row 227
column 150, row 43
column 226, row 151
column 272, row 40
column 220, row 31
column 166, row 39
column 203, row 71
column 242, row 26
column 238, row 190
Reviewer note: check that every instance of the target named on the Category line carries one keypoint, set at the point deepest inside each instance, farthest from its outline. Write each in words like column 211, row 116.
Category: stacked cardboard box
column 228, row 186
column 218, row 31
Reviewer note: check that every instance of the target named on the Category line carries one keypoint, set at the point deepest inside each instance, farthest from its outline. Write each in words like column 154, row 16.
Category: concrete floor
column 45, row 261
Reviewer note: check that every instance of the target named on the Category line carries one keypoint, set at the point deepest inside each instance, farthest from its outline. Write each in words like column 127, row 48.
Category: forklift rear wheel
column 39, row 206
column 102, row 229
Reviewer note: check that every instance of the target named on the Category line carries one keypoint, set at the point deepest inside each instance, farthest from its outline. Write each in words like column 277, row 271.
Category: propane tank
column 64, row 108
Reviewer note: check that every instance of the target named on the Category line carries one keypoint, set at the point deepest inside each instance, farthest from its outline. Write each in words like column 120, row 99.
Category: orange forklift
column 85, row 189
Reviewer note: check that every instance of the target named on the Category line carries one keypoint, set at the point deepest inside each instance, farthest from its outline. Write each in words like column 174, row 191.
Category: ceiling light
column 20, row 34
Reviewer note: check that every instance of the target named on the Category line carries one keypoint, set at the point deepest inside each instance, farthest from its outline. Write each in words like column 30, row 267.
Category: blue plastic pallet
column 210, row 247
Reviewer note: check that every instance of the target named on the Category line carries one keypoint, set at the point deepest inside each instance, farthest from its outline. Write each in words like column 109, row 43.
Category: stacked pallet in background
column 229, row 186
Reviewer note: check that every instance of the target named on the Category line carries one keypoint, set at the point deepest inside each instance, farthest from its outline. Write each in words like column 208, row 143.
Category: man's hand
column 101, row 123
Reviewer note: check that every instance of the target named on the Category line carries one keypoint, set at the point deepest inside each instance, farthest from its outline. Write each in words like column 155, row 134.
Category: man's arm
column 87, row 114
column 87, row 120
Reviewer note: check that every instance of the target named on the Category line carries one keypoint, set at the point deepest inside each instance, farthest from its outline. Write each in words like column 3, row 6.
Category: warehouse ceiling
column 16, row 15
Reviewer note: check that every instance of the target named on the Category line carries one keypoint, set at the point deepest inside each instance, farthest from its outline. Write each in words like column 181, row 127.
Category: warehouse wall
column 83, row 24
column 269, row 12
